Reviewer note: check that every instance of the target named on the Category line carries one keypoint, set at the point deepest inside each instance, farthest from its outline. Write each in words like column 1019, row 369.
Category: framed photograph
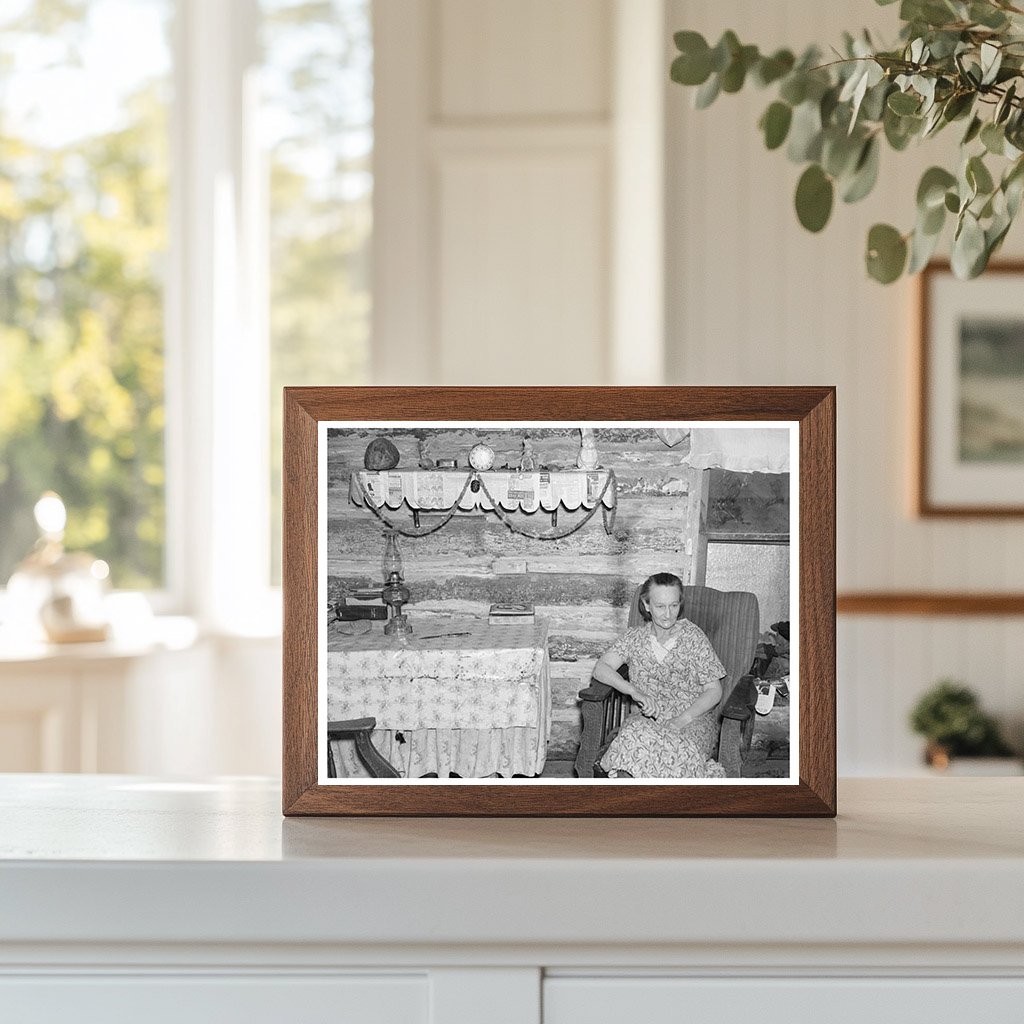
column 970, row 450
column 559, row 601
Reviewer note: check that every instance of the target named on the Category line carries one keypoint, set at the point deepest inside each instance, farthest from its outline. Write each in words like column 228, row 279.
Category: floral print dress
column 675, row 677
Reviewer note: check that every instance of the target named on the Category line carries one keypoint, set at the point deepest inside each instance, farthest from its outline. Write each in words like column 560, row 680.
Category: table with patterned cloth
column 475, row 704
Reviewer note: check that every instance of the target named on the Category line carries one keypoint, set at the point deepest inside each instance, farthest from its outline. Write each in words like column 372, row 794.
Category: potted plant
column 950, row 717
column 956, row 62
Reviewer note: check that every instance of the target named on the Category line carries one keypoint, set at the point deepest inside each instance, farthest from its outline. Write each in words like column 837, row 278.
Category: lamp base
column 399, row 625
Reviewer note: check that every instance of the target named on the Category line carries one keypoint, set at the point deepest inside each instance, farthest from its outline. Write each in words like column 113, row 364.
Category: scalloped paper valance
column 439, row 490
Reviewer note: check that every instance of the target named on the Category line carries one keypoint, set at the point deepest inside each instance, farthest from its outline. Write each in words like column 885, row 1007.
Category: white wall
column 518, row 240
column 503, row 152
column 754, row 299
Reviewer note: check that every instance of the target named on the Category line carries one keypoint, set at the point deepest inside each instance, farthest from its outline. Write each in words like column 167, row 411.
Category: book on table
column 510, row 614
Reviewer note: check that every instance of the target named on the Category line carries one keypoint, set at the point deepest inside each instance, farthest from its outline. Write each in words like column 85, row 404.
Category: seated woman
column 675, row 679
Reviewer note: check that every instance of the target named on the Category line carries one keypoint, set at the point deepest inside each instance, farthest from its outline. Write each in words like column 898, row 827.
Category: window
column 144, row 182
column 317, row 119
column 83, row 236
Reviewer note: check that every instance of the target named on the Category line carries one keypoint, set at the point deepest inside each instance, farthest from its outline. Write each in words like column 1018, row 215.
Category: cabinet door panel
column 202, row 999
column 782, row 1001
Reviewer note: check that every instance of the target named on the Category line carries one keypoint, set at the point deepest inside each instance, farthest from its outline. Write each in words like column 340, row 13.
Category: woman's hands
column 681, row 721
column 648, row 705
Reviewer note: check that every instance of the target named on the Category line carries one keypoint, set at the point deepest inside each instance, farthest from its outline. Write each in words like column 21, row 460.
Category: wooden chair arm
column 353, row 725
column 740, row 705
column 596, row 691
column 602, row 708
column 360, row 729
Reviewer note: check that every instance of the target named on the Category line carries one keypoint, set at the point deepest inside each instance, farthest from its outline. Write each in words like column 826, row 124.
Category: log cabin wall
column 582, row 584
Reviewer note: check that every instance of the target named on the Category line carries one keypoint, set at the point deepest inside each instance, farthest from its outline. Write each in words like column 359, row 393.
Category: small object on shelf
column 447, row 463
column 395, row 593
column 670, row 436
column 423, row 454
column 587, row 458
column 510, row 614
column 528, row 460
column 60, row 595
column 481, row 457
column 380, row 454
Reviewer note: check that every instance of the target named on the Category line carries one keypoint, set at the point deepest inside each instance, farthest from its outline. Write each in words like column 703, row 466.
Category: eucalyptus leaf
column 873, row 106
column 987, row 15
column 707, row 93
column 771, row 69
column 973, row 129
column 775, row 124
column 931, row 190
column 827, row 106
column 724, row 51
column 1013, row 187
column 794, row 88
column 1005, row 105
column 886, row 253
column 991, row 60
column 933, row 122
column 995, row 233
column 922, row 248
column 968, row 247
column 993, row 138
column 900, row 130
column 840, row 152
column 904, row 103
column 865, row 173
column 932, row 221
column 814, row 194
column 1014, row 191
column 805, row 133
column 958, row 105
column 735, row 74
column 952, row 202
column 978, row 176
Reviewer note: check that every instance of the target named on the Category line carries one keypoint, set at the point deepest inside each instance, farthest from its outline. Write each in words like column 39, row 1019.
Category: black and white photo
column 538, row 602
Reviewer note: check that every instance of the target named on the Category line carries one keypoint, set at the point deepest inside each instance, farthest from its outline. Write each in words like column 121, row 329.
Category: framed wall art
column 970, row 444
column 559, row 601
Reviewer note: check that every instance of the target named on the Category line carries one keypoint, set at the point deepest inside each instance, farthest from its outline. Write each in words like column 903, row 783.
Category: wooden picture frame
column 969, row 449
column 809, row 415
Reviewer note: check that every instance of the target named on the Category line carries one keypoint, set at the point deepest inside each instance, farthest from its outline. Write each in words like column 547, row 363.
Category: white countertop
column 123, row 859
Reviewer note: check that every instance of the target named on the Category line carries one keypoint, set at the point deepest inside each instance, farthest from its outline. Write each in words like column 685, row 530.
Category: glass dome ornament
column 54, row 595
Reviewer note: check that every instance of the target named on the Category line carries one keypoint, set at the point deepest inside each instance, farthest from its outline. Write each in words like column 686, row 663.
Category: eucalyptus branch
column 834, row 116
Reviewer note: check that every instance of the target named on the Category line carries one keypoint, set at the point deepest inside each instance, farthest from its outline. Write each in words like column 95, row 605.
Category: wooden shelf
column 928, row 603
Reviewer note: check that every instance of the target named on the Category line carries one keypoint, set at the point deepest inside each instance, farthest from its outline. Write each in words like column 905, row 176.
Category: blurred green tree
column 82, row 232
column 318, row 107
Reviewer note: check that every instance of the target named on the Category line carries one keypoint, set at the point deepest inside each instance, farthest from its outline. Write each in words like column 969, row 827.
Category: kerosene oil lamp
column 394, row 593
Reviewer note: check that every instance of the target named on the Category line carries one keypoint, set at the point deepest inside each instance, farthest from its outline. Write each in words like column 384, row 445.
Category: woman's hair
column 659, row 579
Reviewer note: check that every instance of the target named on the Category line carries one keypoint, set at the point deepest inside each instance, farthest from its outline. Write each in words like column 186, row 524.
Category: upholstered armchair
column 731, row 622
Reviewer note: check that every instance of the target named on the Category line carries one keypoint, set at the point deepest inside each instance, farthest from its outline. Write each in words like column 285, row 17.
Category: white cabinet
column 101, row 707
column 133, row 898
column 824, row 1000
column 174, row 705
column 205, row 999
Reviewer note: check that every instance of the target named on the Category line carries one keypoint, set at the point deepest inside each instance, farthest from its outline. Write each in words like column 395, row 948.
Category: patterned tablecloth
column 475, row 704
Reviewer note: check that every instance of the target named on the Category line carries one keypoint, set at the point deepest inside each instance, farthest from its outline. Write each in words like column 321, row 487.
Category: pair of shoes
column 765, row 699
